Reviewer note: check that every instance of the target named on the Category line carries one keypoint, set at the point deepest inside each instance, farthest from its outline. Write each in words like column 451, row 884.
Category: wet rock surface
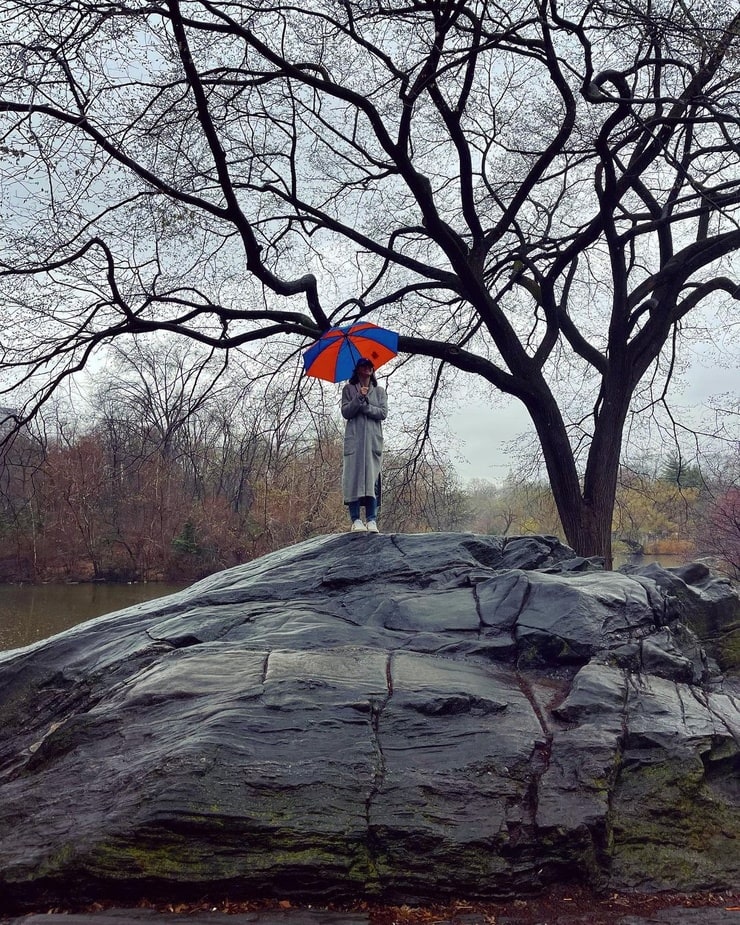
column 399, row 717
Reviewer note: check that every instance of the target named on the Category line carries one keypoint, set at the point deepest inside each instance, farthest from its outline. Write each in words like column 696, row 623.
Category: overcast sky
column 481, row 430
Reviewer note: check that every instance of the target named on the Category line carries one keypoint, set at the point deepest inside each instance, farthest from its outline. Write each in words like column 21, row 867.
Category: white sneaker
column 358, row 526
column 372, row 527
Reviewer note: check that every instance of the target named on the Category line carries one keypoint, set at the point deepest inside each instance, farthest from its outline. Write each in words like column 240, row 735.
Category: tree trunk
column 588, row 528
column 585, row 512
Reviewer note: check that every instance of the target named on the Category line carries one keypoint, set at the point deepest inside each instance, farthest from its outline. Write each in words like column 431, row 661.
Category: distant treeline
column 100, row 507
column 176, row 474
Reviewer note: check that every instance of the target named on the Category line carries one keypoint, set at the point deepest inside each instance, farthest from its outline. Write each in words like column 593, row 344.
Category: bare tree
column 539, row 194
column 154, row 392
column 20, row 460
column 719, row 513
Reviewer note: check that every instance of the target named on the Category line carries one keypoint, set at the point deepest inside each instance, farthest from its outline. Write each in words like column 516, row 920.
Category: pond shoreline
column 32, row 612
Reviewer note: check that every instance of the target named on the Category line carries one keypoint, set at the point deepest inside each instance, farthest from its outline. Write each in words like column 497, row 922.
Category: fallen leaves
column 429, row 915
column 571, row 903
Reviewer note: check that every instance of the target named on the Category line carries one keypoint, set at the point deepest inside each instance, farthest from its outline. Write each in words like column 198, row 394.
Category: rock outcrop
column 405, row 717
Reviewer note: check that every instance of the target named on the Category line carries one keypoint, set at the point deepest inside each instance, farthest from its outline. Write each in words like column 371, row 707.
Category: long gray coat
column 363, row 441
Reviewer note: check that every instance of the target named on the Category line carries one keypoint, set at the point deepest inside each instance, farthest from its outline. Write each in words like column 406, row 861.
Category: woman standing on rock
column 364, row 407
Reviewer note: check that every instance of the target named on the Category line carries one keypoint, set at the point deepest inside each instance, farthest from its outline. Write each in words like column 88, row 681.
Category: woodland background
column 542, row 199
column 164, row 472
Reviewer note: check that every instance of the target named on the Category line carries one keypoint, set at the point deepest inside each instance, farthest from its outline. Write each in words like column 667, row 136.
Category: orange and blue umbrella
column 335, row 354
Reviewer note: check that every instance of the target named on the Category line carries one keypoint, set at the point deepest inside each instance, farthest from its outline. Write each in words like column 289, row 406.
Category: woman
column 364, row 407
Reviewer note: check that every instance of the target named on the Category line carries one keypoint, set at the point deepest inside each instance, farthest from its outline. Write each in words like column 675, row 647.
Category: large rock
column 398, row 717
column 697, row 597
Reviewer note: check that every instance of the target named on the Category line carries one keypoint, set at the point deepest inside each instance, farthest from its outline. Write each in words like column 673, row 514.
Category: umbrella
column 335, row 354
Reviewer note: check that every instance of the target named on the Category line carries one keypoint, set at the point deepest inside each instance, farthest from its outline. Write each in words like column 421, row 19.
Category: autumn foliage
column 176, row 476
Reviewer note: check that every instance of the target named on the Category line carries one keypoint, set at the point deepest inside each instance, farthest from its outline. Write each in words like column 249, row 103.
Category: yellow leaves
column 651, row 508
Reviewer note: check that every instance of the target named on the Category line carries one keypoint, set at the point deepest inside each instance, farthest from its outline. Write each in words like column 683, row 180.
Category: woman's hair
column 355, row 377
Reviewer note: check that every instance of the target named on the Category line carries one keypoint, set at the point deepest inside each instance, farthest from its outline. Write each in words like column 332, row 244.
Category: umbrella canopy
column 335, row 354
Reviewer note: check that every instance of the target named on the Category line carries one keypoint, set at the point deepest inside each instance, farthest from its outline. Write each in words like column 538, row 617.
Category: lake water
column 32, row 612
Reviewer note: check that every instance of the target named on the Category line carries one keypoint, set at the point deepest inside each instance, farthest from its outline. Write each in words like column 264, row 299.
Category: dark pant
column 370, row 505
